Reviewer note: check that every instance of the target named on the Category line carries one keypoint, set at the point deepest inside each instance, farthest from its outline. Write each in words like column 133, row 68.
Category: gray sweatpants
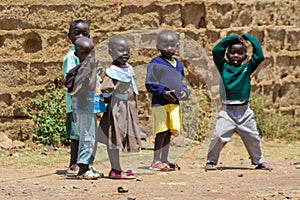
column 239, row 119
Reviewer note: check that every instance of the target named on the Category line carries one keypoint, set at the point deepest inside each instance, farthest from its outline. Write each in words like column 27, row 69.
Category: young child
column 77, row 29
column 236, row 115
column 87, row 102
column 119, row 125
column 164, row 80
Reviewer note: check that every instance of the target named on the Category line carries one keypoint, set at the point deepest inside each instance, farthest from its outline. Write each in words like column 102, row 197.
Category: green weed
column 273, row 124
column 196, row 114
column 48, row 113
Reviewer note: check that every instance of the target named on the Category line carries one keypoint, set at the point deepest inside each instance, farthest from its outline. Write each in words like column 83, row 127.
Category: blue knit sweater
column 161, row 77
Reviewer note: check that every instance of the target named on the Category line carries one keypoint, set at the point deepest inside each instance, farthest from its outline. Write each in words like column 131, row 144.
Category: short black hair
column 166, row 32
column 238, row 41
column 75, row 22
column 113, row 39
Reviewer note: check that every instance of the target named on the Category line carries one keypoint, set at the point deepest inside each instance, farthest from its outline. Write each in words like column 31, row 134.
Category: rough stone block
column 282, row 7
column 194, row 14
column 265, row 71
column 5, row 142
column 171, row 15
column 276, row 39
column 219, row 14
column 293, row 40
column 243, row 14
column 263, row 7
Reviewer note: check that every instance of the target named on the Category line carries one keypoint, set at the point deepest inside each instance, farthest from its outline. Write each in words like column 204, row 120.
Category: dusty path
column 235, row 178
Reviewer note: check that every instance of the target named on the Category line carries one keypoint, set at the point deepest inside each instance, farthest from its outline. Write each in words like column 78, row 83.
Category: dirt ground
column 40, row 174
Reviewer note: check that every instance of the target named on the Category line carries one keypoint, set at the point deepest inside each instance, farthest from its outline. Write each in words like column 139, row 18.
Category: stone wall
column 33, row 42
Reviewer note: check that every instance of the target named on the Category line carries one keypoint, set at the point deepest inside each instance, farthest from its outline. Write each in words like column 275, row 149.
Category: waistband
column 243, row 104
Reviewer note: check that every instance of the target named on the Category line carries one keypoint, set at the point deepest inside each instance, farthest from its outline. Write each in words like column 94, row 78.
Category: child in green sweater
column 236, row 115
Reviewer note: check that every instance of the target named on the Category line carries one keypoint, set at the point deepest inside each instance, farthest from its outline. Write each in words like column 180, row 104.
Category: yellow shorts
column 167, row 117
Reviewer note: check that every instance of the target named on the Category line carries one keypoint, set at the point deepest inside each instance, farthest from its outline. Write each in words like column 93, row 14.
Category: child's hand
column 94, row 63
column 169, row 96
column 183, row 95
column 241, row 38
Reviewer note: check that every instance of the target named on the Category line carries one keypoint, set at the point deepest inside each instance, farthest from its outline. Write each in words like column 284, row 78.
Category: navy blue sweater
column 161, row 77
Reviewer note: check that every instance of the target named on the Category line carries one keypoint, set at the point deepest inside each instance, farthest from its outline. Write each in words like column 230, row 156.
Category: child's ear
column 245, row 57
column 227, row 55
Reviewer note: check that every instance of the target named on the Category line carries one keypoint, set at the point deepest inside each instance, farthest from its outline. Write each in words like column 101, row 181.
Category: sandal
column 159, row 166
column 89, row 175
column 210, row 166
column 97, row 171
column 123, row 175
column 72, row 171
column 173, row 166
column 264, row 166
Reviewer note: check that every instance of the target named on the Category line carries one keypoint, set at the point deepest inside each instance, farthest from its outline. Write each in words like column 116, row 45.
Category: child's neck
column 120, row 65
column 168, row 58
column 117, row 63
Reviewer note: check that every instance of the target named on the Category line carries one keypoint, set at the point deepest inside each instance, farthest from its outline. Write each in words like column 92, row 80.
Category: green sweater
column 235, row 81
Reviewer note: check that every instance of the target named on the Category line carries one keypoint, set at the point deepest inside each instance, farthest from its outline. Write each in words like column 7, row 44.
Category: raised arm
column 94, row 73
column 257, row 53
column 220, row 49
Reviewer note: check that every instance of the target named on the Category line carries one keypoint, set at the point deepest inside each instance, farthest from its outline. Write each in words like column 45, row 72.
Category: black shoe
column 210, row 166
column 264, row 166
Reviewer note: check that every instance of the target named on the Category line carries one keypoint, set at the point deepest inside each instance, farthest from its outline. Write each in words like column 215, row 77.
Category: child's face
column 120, row 52
column 167, row 45
column 79, row 30
column 84, row 50
column 236, row 55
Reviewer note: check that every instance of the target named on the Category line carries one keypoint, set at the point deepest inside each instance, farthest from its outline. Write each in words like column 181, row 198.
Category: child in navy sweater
column 164, row 80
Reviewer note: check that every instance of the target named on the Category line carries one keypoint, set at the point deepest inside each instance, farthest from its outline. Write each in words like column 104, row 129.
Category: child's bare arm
column 94, row 73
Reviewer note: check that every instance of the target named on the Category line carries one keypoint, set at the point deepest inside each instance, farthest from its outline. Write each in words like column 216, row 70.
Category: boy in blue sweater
column 236, row 115
column 164, row 80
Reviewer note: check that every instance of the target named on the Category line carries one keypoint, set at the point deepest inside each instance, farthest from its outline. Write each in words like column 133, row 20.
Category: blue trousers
column 88, row 139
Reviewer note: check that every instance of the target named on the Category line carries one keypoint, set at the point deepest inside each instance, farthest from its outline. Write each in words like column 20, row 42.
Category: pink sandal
column 123, row 175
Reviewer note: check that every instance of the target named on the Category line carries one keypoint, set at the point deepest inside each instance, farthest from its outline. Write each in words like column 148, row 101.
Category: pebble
column 35, row 183
column 122, row 190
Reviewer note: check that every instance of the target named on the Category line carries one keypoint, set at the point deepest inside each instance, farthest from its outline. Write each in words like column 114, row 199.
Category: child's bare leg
column 74, row 152
column 114, row 159
column 166, row 147
column 158, row 145
column 82, row 168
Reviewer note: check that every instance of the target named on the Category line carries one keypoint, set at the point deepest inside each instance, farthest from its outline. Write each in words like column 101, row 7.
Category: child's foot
column 159, row 166
column 264, row 166
column 97, row 171
column 122, row 175
column 173, row 166
column 72, row 171
column 89, row 175
column 210, row 166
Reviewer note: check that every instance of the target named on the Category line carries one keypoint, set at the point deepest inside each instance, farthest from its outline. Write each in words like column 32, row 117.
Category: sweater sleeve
column 220, row 49
column 257, row 53
column 152, row 82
